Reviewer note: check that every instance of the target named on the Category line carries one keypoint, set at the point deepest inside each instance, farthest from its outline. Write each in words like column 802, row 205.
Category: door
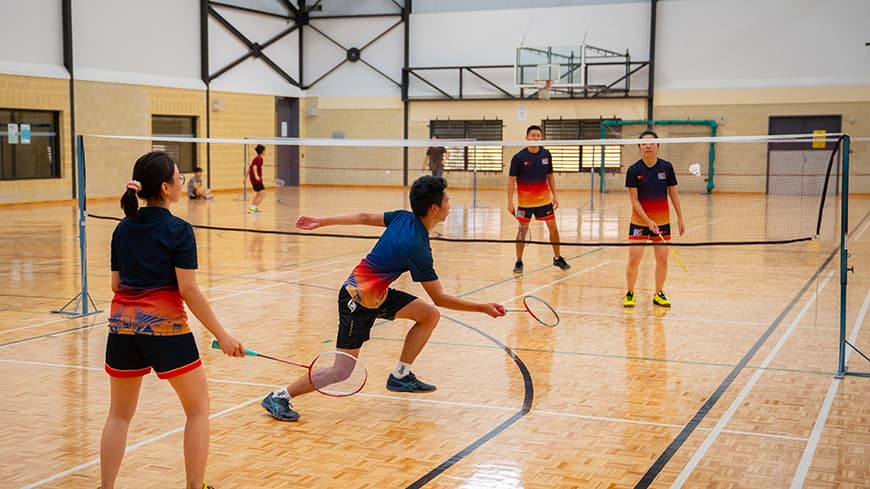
column 800, row 168
column 287, row 157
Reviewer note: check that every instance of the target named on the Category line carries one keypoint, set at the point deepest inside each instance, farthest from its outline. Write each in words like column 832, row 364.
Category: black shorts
column 643, row 232
column 355, row 321
column 542, row 213
column 134, row 355
column 258, row 186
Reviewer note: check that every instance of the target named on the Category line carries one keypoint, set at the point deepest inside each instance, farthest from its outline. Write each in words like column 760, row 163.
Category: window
column 479, row 158
column 579, row 158
column 28, row 144
column 184, row 154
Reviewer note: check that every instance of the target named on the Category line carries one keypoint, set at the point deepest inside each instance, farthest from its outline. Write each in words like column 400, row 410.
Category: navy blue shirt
column 652, row 184
column 146, row 251
column 404, row 246
column 531, row 170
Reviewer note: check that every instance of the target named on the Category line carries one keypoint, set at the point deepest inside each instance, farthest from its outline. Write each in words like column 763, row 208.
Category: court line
column 528, row 397
column 741, row 396
column 810, row 450
column 614, row 356
column 702, row 412
column 46, row 335
column 565, row 312
column 439, row 402
column 861, row 232
column 57, row 320
column 130, row 448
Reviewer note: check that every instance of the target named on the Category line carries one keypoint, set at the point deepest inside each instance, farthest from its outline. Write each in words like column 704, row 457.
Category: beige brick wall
column 121, row 109
column 22, row 92
column 240, row 115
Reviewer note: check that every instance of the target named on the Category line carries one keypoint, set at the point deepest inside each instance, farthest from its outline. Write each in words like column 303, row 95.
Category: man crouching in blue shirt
column 366, row 294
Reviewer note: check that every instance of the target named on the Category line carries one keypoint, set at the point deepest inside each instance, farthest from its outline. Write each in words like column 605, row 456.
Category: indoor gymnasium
column 434, row 244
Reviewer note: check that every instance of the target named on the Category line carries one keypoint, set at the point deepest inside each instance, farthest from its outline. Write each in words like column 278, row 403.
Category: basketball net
column 544, row 89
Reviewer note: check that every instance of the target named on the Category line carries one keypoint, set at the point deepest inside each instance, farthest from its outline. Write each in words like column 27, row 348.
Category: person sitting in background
column 196, row 189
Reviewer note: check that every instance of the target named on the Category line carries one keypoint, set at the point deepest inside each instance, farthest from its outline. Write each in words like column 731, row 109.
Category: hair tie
column 134, row 185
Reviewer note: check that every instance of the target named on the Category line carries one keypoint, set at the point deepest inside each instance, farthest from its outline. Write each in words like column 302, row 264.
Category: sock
column 281, row 393
column 402, row 369
column 252, row 207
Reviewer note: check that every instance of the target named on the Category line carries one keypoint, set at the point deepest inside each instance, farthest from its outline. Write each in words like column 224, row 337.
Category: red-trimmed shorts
column 131, row 355
column 542, row 213
column 643, row 232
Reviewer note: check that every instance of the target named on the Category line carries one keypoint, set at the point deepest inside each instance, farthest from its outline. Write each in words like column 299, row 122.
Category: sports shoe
column 659, row 299
column 518, row 266
column 206, row 486
column 628, row 300
column 561, row 263
column 279, row 407
column 408, row 383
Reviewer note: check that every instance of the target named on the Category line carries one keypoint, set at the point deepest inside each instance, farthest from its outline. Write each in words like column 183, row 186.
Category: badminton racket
column 539, row 309
column 333, row 373
column 673, row 253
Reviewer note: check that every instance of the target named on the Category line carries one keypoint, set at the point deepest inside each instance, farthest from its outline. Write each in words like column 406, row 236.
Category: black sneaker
column 518, row 266
column 408, row 383
column 561, row 263
column 279, row 407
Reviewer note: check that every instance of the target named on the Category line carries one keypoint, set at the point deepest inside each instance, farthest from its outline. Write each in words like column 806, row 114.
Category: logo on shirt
column 662, row 176
column 640, row 177
column 527, row 163
column 545, row 161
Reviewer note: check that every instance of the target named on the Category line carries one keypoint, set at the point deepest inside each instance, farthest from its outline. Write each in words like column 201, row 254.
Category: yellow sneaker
column 659, row 299
column 628, row 300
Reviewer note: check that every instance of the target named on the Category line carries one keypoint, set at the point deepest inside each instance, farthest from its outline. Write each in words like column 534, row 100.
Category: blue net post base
column 78, row 306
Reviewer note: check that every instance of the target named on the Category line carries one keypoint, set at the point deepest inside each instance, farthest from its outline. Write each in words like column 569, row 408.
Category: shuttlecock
column 695, row 169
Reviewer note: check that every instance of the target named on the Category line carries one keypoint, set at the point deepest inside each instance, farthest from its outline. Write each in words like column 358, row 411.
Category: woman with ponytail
column 153, row 274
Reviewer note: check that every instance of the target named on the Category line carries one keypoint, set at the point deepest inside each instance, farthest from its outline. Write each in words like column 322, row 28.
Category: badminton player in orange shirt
column 650, row 181
column 531, row 172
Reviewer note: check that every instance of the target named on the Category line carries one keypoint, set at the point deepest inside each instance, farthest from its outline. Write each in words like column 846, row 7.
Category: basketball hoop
column 544, row 88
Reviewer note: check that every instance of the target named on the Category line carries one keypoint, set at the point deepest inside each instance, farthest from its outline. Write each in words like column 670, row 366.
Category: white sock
column 281, row 393
column 252, row 207
column 402, row 369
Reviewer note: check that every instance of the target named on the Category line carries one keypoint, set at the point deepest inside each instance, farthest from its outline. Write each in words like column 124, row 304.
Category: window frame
column 491, row 159
column 580, row 129
column 161, row 145
column 54, row 143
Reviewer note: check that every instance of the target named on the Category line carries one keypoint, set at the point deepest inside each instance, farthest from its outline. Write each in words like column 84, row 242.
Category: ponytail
column 129, row 201
column 149, row 173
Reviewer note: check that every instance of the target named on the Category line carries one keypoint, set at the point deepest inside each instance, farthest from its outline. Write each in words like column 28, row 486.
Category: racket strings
column 541, row 310
column 337, row 374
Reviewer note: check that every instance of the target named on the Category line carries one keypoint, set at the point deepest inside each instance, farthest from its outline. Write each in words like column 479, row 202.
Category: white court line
column 130, row 448
column 810, row 450
column 738, row 401
column 153, row 439
column 47, row 364
column 652, row 316
column 860, row 232
column 296, row 270
column 589, row 269
column 57, row 320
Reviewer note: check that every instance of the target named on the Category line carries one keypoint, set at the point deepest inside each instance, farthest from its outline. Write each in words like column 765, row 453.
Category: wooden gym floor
column 731, row 387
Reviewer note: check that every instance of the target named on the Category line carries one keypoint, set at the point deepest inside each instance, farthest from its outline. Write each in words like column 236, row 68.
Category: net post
column 844, row 255
column 83, row 298
column 245, row 174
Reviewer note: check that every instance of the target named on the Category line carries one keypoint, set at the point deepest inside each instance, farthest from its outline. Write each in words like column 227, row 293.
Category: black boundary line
column 527, row 406
column 702, row 412
column 484, row 240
